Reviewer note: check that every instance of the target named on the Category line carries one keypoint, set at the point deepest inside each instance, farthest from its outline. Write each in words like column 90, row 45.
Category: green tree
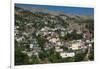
column 21, row 58
column 91, row 55
column 35, row 60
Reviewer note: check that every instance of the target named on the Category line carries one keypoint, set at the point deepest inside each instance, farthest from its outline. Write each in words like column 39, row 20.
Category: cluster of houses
column 51, row 35
column 53, row 39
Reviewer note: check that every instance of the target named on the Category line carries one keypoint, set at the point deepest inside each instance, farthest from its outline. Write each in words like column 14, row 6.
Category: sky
column 66, row 9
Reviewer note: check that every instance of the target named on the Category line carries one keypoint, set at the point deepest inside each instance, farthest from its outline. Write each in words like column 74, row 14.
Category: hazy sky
column 67, row 9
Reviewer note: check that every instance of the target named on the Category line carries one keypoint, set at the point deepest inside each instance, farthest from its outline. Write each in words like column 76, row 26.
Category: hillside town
column 52, row 37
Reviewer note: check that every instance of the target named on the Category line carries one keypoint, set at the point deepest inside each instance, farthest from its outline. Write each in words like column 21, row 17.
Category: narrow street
column 86, row 58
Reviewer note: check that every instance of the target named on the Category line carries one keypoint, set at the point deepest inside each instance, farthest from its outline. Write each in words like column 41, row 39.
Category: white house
column 66, row 54
column 31, row 46
column 88, row 41
column 75, row 46
column 90, row 45
column 54, row 40
column 29, row 54
column 58, row 49
column 59, row 43
column 62, row 33
column 20, row 39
